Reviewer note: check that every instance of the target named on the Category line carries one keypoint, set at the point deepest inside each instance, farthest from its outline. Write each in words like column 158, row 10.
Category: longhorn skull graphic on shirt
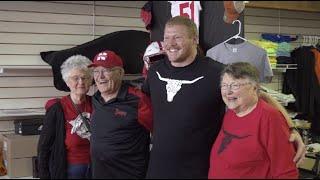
column 174, row 85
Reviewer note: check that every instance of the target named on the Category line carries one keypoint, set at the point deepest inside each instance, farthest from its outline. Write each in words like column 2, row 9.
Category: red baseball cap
column 107, row 59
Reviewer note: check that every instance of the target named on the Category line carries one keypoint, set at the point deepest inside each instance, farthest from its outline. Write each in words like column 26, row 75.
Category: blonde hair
column 273, row 102
column 184, row 21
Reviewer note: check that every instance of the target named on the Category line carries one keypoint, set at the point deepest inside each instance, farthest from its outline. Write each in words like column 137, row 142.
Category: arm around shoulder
column 274, row 136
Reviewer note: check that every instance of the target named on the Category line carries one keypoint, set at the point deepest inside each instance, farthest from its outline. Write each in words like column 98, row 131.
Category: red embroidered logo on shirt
column 120, row 113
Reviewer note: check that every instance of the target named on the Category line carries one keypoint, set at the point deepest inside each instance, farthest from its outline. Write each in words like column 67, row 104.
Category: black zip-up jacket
column 52, row 163
column 120, row 139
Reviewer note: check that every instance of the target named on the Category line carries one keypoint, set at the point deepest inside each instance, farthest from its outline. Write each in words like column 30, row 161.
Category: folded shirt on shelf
column 273, row 59
column 284, row 46
column 278, row 38
column 283, row 53
column 313, row 148
column 269, row 46
column 282, row 98
column 284, row 49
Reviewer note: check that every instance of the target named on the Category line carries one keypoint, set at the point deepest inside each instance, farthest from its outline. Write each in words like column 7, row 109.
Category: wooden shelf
column 13, row 114
column 5, row 69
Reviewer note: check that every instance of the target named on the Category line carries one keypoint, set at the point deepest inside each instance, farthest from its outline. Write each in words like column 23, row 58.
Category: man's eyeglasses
column 103, row 71
column 233, row 86
column 78, row 78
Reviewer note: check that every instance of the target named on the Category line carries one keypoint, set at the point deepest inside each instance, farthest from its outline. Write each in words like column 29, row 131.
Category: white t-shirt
column 190, row 9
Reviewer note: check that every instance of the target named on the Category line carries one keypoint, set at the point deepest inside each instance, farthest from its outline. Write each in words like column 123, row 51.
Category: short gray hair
column 240, row 70
column 75, row 62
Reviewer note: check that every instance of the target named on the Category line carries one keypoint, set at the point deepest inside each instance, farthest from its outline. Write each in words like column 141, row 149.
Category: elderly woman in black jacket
column 63, row 148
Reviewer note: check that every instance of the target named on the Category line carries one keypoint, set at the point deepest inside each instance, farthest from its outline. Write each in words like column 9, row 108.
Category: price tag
column 234, row 50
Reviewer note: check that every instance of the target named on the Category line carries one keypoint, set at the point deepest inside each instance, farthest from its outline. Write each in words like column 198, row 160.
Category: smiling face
column 238, row 94
column 79, row 81
column 108, row 80
column 179, row 46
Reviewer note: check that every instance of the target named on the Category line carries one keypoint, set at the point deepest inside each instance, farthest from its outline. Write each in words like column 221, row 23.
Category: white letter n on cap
column 102, row 56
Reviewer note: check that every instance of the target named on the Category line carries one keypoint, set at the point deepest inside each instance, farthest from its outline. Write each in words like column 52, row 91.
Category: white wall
column 29, row 27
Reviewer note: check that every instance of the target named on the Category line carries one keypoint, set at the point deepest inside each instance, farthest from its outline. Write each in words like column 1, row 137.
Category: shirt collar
column 120, row 96
column 122, row 91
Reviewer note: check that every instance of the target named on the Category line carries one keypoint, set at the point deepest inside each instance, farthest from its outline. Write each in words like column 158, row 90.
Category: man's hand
column 300, row 146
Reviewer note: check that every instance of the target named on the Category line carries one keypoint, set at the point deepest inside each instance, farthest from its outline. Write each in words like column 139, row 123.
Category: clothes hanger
column 237, row 35
column 318, row 44
column 304, row 41
column 308, row 41
column 313, row 41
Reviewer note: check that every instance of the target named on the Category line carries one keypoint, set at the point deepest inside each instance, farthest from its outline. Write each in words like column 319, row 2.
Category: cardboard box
column 21, row 167
column 1, row 158
column 18, row 151
column 6, row 126
column 1, row 143
column 18, row 146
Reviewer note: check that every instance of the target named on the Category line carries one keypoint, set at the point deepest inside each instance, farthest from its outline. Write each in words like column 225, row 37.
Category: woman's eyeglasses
column 78, row 78
column 233, row 86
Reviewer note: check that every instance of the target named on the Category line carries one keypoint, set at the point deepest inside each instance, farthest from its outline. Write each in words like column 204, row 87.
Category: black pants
column 101, row 169
column 114, row 169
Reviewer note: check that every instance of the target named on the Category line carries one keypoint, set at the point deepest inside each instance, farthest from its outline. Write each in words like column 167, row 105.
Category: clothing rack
column 310, row 40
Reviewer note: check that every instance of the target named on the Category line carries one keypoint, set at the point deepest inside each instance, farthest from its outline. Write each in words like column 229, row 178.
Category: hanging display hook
column 238, row 34
column 239, row 28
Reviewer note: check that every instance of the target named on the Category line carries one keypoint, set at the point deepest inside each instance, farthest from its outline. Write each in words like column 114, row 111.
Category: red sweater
column 78, row 149
column 254, row 146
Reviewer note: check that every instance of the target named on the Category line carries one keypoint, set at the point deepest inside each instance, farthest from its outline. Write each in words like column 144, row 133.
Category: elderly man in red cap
column 120, row 136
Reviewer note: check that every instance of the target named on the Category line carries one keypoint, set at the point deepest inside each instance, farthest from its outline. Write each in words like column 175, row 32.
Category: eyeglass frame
column 105, row 71
column 233, row 86
column 77, row 78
